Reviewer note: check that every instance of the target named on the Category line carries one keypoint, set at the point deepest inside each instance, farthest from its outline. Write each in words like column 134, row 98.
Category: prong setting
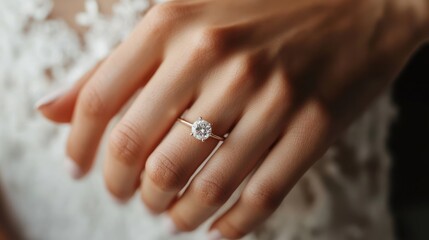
column 201, row 129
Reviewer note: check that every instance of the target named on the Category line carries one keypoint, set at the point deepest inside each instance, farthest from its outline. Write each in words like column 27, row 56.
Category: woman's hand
column 282, row 77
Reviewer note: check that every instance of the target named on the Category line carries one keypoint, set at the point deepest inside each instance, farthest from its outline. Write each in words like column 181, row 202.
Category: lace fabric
column 342, row 197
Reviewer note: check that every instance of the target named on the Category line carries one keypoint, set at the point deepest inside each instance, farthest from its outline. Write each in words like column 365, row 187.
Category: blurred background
column 409, row 149
column 372, row 184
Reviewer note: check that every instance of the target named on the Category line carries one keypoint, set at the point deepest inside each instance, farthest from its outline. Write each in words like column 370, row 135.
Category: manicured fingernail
column 73, row 169
column 169, row 225
column 214, row 235
column 50, row 98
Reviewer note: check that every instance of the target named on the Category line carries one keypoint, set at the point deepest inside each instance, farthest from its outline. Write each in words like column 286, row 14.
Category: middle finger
column 159, row 103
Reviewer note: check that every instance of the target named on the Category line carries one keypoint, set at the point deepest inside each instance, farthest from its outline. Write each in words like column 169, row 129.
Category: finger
column 173, row 162
column 164, row 98
column 178, row 156
column 305, row 141
column 59, row 106
column 233, row 161
column 127, row 69
column 161, row 102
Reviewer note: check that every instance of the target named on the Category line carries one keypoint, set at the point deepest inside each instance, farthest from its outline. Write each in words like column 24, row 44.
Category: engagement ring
column 201, row 129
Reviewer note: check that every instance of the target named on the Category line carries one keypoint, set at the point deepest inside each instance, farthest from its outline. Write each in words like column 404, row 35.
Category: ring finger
column 173, row 162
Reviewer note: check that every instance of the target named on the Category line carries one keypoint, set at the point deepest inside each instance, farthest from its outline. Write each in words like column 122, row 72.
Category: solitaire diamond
column 201, row 129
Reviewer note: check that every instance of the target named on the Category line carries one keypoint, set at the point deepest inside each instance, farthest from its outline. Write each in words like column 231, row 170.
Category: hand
column 282, row 77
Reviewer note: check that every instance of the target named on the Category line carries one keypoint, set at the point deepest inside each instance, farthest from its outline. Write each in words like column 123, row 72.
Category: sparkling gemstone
column 201, row 129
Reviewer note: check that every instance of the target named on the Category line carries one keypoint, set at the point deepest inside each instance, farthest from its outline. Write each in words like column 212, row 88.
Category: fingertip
column 52, row 115
column 50, row 98
column 120, row 201
column 73, row 169
column 215, row 235
column 57, row 106
column 152, row 212
column 169, row 225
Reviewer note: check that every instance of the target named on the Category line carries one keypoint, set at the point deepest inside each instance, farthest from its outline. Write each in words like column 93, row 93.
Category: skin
column 284, row 78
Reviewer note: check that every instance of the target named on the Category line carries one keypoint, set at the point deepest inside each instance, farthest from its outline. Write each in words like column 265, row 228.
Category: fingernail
column 120, row 201
column 50, row 98
column 151, row 212
column 169, row 225
column 73, row 169
column 214, row 235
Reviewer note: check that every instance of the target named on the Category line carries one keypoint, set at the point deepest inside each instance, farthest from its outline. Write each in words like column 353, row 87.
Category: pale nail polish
column 73, row 169
column 214, row 235
column 169, row 225
column 50, row 98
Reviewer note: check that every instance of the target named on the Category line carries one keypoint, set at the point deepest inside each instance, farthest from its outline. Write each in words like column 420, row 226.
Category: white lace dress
column 342, row 197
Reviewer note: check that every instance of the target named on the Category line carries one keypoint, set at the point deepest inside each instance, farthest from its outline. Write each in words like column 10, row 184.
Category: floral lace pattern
column 342, row 197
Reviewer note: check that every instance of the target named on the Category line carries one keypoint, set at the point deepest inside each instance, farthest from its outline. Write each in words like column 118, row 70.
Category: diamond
column 201, row 129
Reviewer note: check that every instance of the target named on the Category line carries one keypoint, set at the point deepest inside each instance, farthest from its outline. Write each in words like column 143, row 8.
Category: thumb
column 59, row 105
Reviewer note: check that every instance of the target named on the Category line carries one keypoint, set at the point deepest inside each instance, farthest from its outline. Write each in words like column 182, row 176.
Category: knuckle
column 125, row 144
column 160, row 11
column 210, row 192
column 209, row 41
column 164, row 15
column 163, row 171
column 92, row 103
column 262, row 197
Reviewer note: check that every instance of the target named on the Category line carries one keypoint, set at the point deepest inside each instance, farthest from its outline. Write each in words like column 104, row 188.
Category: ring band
column 201, row 129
